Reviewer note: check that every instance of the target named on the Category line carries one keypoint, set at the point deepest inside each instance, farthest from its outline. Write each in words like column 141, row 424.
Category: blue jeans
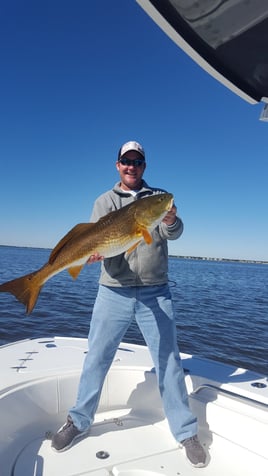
column 113, row 312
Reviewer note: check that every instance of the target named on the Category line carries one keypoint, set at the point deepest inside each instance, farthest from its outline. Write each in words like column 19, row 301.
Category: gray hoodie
column 147, row 265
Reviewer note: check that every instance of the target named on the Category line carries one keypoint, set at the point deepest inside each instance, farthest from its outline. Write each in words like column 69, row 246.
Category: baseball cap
column 131, row 145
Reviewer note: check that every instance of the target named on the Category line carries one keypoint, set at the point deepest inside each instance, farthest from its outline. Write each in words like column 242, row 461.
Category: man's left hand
column 170, row 217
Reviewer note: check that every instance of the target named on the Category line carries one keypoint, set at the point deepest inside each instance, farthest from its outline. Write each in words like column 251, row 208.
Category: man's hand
column 94, row 258
column 170, row 217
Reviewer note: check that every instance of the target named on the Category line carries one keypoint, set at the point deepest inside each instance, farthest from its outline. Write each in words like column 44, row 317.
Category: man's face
column 131, row 174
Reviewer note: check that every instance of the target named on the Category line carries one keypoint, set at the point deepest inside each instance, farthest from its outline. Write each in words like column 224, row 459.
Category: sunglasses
column 135, row 162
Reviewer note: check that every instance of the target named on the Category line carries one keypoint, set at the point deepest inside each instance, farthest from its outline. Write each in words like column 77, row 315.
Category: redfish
column 117, row 232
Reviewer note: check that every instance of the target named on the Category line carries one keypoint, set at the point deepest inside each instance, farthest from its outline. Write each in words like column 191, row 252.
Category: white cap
column 131, row 145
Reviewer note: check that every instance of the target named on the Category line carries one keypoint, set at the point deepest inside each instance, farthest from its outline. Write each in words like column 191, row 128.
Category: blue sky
column 80, row 78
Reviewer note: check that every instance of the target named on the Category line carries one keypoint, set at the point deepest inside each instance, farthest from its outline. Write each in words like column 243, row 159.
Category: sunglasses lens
column 135, row 162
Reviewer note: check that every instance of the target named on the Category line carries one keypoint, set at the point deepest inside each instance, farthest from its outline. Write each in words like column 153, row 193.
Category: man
column 136, row 284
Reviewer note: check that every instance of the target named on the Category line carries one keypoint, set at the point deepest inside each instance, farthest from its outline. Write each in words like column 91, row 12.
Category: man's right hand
column 95, row 257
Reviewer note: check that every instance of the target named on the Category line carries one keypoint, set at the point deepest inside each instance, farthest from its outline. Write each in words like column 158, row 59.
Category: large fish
column 115, row 233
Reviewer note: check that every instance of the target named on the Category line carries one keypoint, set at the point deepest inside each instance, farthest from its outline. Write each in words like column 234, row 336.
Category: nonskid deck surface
column 125, row 445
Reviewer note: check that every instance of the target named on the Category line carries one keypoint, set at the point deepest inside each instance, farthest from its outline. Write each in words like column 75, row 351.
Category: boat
column 228, row 39
column 130, row 435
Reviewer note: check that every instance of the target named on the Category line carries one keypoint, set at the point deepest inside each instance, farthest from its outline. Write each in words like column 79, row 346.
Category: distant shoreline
column 197, row 258
column 232, row 260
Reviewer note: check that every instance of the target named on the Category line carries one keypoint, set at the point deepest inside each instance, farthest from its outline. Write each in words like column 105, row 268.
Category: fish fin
column 75, row 232
column 147, row 236
column 132, row 248
column 25, row 289
column 75, row 270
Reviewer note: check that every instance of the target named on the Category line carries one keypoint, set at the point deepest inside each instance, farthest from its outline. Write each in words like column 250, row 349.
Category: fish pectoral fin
column 75, row 270
column 74, row 233
column 146, row 236
column 132, row 248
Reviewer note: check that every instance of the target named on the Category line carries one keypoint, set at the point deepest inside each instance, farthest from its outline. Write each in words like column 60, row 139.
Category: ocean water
column 221, row 307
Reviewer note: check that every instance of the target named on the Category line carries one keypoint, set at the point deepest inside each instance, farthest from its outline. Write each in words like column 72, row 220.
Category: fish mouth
column 171, row 203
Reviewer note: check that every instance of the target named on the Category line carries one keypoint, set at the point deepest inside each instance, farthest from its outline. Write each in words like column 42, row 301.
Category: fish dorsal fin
column 75, row 270
column 75, row 232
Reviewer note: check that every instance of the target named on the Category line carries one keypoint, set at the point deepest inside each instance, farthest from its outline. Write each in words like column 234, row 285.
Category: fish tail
column 26, row 289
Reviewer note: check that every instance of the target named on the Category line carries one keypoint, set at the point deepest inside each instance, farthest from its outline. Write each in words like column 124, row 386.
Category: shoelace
column 67, row 425
column 192, row 440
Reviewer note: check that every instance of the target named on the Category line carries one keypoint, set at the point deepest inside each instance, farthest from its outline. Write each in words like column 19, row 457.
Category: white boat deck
column 130, row 436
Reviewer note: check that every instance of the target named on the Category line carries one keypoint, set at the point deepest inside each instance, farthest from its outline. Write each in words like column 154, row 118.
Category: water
column 221, row 307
